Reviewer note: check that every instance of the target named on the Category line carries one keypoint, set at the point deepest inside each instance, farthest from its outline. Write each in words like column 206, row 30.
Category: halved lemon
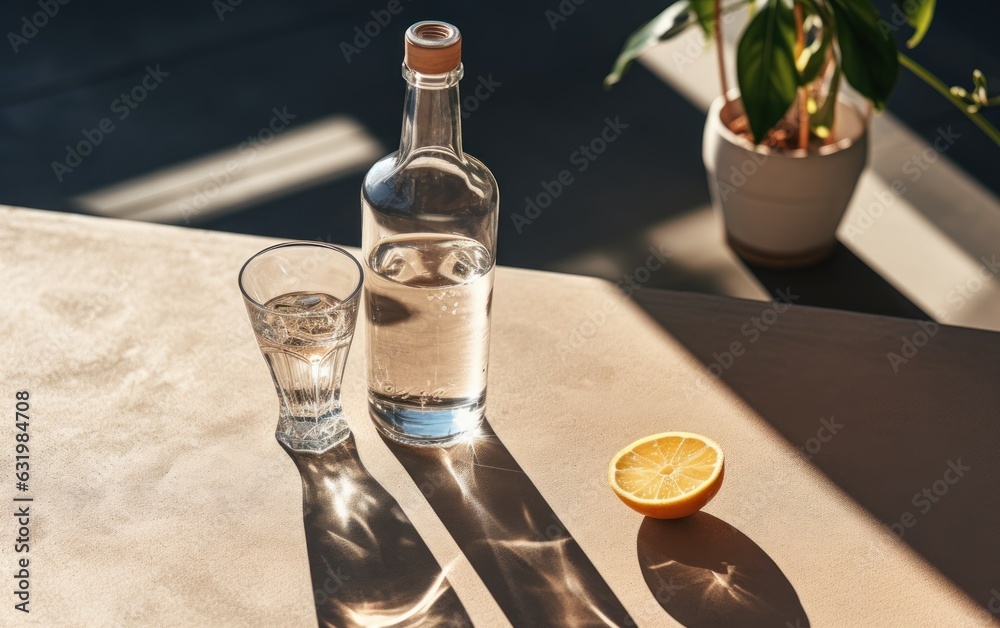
column 669, row 475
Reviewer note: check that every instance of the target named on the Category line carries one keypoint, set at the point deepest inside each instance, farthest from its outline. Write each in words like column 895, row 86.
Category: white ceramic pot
column 781, row 208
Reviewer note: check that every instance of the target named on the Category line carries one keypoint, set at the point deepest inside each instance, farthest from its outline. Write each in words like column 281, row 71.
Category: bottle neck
column 432, row 115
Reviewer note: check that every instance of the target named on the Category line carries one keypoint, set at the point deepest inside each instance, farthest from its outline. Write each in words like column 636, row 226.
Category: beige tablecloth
column 161, row 497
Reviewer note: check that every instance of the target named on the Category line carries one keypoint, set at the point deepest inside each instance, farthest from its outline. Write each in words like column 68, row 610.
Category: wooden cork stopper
column 433, row 47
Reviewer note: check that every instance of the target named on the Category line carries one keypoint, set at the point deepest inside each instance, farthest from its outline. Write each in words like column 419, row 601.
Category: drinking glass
column 302, row 299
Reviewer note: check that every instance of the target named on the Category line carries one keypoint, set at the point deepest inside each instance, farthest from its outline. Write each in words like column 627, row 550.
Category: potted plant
column 784, row 152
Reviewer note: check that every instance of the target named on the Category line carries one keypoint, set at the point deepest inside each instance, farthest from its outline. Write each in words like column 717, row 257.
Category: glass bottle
column 429, row 242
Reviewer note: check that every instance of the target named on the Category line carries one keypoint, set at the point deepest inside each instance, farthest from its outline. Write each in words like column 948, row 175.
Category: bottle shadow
column 369, row 565
column 537, row 573
column 705, row 572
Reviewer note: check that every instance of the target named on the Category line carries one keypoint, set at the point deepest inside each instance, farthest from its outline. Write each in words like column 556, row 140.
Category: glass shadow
column 705, row 572
column 369, row 565
column 535, row 570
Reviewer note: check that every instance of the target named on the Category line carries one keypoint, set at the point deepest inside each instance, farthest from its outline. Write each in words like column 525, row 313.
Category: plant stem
column 717, row 9
column 800, row 45
column 818, row 86
column 925, row 75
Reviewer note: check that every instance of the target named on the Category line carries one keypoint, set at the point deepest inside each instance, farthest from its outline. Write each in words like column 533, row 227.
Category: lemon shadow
column 900, row 426
column 705, row 572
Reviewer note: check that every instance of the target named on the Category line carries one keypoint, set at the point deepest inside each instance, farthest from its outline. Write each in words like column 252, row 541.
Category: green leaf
column 704, row 11
column 868, row 54
column 919, row 14
column 765, row 66
column 821, row 120
column 664, row 26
